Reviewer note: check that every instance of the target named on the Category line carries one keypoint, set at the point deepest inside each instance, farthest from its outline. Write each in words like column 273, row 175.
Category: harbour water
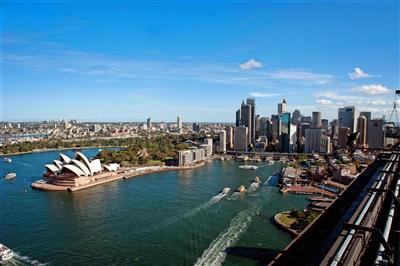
column 170, row 218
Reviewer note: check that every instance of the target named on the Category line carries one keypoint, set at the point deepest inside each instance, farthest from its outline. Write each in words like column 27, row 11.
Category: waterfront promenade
column 307, row 190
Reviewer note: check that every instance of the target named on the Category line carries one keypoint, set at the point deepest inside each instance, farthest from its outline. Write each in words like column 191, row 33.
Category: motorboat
column 256, row 180
column 241, row 189
column 10, row 175
column 5, row 253
column 248, row 167
column 225, row 190
column 7, row 160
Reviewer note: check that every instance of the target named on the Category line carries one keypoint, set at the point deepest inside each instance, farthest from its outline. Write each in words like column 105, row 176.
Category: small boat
column 10, row 176
column 100, row 150
column 256, row 180
column 5, row 253
column 225, row 190
column 248, row 167
column 241, row 189
column 7, row 160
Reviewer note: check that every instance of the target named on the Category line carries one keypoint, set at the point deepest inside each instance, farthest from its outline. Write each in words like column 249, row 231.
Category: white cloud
column 358, row 73
column 324, row 101
column 263, row 95
column 372, row 89
column 376, row 102
column 301, row 75
column 251, row 64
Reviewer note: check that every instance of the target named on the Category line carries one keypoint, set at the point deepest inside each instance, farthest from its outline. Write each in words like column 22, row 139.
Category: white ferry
column 225, row 190
column 7, row 160
column 249, row 167
column 10, row 176
column 5, row 253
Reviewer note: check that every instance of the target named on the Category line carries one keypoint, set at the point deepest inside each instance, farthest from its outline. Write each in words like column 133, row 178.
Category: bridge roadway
column 360, row 227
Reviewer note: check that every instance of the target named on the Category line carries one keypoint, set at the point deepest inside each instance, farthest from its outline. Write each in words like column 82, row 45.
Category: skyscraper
column 229, row 137
column 276, row 127
column 282, row 107
column 222, row 141
column 149, row 123
column 238, row 117
column 316, row 120
column 325, row 124
column 347, row 117
column 313, row 140
column 252, row 128
column 246, row 119
column 285, row 132
column 264, row 126
column 296, row 117
column 179, row 122
column 368, row 116
column 376, row 134
column 241, row 138
column 362, row 128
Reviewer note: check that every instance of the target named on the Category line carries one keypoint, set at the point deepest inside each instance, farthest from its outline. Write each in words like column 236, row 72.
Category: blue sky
column 128, row 61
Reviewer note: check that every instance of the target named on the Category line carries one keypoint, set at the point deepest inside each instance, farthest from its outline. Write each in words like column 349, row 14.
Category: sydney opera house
column 78, row 171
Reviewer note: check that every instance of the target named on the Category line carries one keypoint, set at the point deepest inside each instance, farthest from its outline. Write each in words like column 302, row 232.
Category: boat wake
column 190, row 213
column 215, row 254
column 253, row 187
column 235, row 195
column 205, row 205
column 18, row 259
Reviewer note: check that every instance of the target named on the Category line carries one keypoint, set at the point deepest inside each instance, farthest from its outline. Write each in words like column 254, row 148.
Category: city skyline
column 154, row 66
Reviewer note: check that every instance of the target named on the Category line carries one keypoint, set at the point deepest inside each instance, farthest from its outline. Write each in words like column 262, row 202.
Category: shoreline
column 56, row 149
column 127, row 174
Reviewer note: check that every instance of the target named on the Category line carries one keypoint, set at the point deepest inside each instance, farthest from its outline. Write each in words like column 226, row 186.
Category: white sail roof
column 81, row 166
column 64, row 158
column 52, row 168
column 85, row 160
column 75, row 169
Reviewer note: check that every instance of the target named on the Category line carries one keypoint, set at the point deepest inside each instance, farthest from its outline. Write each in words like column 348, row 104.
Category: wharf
column 308, row 190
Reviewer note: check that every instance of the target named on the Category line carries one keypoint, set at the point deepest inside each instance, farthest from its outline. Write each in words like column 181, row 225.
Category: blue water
column 170, row 218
